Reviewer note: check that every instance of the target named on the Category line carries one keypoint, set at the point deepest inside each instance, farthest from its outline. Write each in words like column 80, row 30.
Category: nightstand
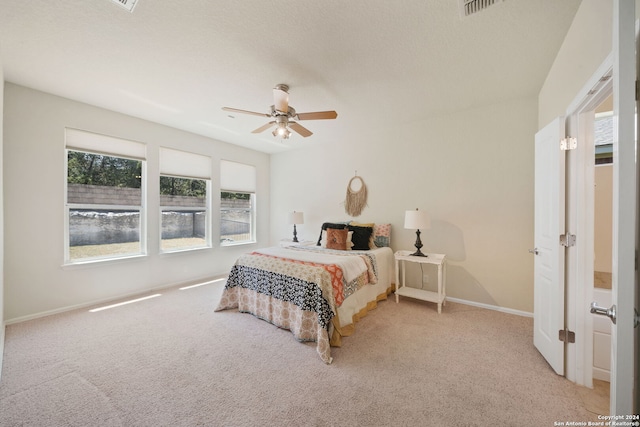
column 402, row 257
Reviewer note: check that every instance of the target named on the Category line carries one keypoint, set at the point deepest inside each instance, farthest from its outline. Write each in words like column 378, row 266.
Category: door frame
column 625, row 222
column 624, row 207
column 580, row 221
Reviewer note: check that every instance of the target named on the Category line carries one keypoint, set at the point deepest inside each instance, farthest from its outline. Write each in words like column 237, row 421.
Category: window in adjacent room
column 104, row 197
column 603, row 130
column 237, row 203
column 185, row 182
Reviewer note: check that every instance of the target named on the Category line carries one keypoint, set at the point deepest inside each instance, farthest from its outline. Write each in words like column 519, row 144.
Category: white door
column 548, row 308
column 623, row 357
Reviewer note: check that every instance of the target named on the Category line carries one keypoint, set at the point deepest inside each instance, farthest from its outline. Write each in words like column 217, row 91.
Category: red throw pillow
column 337, row 239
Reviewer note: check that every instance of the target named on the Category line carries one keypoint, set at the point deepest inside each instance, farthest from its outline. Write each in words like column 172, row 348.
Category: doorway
column 589, row 215
column 619, row 74
column 589, row 110
column 603, row 236
column 603, row 252
column 577, row 288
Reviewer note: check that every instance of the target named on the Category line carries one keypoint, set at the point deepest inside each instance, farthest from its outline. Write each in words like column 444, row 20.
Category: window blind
column 81, row 140
column 237, row 177
column 184, row 164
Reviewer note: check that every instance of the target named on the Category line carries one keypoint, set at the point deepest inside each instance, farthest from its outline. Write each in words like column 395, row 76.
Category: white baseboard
column 601, row 374
column 173, row 285
column 491, row 307
column 106, row 300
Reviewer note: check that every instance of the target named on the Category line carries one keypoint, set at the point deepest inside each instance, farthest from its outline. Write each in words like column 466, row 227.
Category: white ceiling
column 375, row 62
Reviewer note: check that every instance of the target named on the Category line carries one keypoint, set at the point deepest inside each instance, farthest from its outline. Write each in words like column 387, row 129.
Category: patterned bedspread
column 297, row 288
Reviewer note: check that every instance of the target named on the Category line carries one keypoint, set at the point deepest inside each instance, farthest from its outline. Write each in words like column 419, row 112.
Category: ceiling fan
column 283, row 114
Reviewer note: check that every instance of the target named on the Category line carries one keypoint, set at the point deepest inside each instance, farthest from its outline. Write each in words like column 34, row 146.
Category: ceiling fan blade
column 264, row 127
column 317, row 115
column 300, row 129
column 281, row 98
column 235, row 110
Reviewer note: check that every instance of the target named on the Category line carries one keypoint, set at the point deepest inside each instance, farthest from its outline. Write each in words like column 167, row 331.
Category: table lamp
column 417, row 220
column 296, row 218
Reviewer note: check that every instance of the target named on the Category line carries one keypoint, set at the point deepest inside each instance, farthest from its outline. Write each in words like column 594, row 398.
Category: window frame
column 252, row 225
column 207, row 221
column 238, row 177
column 68, row 207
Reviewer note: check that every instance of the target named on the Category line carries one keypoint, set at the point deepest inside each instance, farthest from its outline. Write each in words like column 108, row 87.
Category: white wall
column 586, row 46
column 36, row 282
column 472, row 171
column 603, row 218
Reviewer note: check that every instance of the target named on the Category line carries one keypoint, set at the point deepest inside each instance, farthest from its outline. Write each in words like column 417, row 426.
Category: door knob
column 534, row 251
column 602, row 311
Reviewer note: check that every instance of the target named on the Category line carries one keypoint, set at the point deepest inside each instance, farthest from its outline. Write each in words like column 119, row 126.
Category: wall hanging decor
column 356, row 198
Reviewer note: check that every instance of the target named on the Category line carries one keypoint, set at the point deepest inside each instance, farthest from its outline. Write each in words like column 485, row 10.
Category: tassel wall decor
column 356, row 200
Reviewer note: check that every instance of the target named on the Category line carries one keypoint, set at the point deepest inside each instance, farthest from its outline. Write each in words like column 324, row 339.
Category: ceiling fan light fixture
column 281, row 113
column 281, row 131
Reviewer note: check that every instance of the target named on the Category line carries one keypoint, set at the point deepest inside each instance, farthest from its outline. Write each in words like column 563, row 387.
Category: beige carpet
column 173, row 361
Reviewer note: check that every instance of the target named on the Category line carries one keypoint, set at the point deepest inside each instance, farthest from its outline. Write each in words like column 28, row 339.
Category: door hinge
column 567, row 336
column 567, row 240
column 637, row 90
column 568, row 143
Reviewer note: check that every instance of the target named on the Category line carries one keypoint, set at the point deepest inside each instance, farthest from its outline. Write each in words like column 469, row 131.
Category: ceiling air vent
column 127, row 4
column 470, row 7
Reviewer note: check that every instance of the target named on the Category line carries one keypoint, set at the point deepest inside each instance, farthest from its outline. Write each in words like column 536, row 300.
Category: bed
column 316, row 291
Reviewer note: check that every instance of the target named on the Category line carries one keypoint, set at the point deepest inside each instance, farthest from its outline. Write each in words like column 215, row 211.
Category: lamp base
column 295, row 234
column 418, row 253
column 418, row 245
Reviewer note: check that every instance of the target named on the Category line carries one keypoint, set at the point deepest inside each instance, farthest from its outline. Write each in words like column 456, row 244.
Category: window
column 184, row 213
column 104, row 197
column 237, row 203
column 184, row 203
column 236, row 217
column 603, row 130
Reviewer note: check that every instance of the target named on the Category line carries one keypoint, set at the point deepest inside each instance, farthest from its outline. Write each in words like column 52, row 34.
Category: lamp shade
column 295, row 217
column 417, row 220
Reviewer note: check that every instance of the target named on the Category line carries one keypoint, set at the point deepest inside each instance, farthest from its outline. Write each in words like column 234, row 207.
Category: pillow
column 362, row 224
column 323, row 242
column 337, row 239
column 350, row 240
column 361, row 237
column 382, row 235
column 329, row 225
column 372, row 244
